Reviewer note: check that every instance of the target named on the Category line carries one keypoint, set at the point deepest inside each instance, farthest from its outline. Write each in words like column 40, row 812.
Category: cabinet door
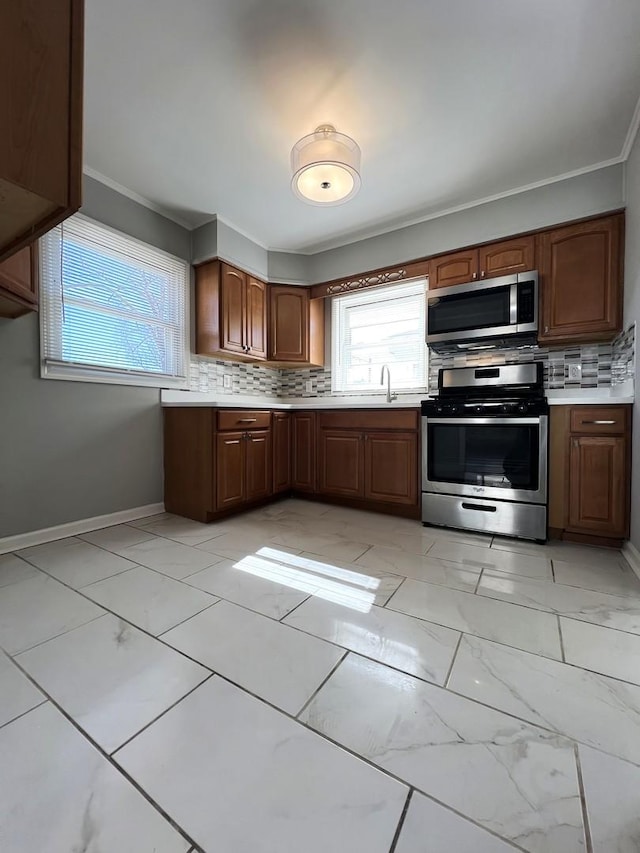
column 391, row 467
column 41, row 65
column 230, row 464
column 281, row 452
column 303, row 456
column 233, row 309
column 256, row 336
column 289, row 326
column 258, row 470
column 581, row 281
column 507, row 257
column 457, row 268
column 598, row 485
column 341, row 463
column 19, row 283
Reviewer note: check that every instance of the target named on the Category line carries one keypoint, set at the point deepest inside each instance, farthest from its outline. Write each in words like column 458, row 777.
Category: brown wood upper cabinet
column 580, row 270
column 496, row 259
column 19, row 282
column 41, row 66
column 296, row 325
column 231, row 312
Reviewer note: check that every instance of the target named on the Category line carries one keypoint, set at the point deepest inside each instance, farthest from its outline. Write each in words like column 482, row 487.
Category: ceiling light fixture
column 326, row 167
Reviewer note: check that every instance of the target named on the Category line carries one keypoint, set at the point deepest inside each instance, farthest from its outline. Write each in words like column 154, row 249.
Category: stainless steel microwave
column 484, row 315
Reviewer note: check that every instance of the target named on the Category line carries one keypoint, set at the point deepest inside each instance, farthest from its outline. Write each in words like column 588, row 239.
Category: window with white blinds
column 113, row 309
column 383, row 325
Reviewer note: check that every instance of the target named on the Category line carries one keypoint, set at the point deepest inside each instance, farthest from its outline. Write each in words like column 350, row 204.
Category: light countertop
column 616, row 395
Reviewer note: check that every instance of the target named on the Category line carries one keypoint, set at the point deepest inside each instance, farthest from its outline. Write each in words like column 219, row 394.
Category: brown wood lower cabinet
column 257, row 464
column 303, row 452
column 590, row 473
column 391, row 467
column 372, row 457
column 220, row 461
column 282, row 452
column 231, row 461
column 341, row 463
column 598, row 485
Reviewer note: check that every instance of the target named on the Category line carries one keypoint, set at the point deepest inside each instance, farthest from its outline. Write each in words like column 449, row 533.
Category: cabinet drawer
column 234, row 419
column 374, row 419
column 599, row 420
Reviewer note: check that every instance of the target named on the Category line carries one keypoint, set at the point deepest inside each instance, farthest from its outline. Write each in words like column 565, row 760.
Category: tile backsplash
column 602, row 365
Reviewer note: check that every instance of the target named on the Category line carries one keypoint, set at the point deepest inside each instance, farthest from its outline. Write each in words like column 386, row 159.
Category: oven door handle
column 479, row 507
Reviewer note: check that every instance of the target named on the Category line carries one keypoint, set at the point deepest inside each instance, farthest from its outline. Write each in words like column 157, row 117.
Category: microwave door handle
column 513, row 305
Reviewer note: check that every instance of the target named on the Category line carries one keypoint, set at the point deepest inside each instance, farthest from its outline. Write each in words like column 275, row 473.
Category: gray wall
column 72, row 450
column 573, row 198
column 632, row 313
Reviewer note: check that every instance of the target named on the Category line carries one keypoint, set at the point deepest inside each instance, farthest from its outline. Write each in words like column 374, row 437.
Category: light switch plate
column 575, row 371
column 308, row 386
column 226, row 381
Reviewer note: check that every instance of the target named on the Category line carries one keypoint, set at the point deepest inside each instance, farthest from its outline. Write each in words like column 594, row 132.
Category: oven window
column 497, row 456
column 466, row 311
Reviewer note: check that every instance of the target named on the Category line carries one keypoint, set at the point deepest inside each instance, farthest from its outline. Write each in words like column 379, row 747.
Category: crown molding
column 145, row 202
column 631, row 133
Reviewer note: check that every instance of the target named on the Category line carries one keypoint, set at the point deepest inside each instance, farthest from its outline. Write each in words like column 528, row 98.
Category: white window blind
column 113, row 309
column 383, row 325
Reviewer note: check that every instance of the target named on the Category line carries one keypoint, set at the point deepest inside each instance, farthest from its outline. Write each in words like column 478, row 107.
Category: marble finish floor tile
column 516, row 780
column 612, row 579
column 556, row 549
column 17, row 693
column 430, row 828
column 152, row 601
column 473, row 557
column 414, row 646
column 238, row 543
column 117, row 537
column 351, row 584
column 14, row 569
column 593, row 709
column 251, row 582
column 74, row 562
column 60, row 795
column 612, row 793
column 603, row 650
column 420, row 568
column 183, row 530
column 237, row 775
column 111, row 678
column 531, row 630
column 38, row 609
column 271, row 660
column 612, row 611
column 171, row 558
column 332, row 547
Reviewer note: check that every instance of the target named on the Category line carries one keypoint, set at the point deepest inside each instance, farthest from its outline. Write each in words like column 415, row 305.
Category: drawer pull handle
column 247, row 420
column 479, row 507
column 598, row 423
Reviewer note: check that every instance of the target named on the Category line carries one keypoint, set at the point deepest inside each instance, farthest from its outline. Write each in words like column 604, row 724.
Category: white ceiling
column 195, row 104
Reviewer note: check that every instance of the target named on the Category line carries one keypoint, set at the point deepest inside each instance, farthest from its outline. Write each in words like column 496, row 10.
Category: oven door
column 503, row 458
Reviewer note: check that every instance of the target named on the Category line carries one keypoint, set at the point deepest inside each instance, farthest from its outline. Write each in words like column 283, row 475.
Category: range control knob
column 478, row 410
column 455, row 409
column 439, row 408
column 523, row 407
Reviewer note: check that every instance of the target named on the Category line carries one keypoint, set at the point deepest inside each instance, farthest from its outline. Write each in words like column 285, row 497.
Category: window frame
column 367, row 295
column 51, row 368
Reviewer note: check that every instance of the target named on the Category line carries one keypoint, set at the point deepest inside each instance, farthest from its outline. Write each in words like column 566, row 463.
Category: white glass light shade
column 326, row 167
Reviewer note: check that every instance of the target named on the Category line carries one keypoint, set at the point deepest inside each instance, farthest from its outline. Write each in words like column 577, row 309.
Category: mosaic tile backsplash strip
column 602, row 365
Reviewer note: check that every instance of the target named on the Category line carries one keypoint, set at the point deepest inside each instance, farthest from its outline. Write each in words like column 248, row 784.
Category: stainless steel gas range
column 484, row 451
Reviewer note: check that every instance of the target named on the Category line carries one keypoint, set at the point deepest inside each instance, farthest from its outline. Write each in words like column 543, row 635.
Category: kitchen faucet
column 390, row 396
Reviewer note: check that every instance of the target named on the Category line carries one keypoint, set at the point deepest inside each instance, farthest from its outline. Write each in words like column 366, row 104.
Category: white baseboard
column 632, row 556
column 73, row 528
